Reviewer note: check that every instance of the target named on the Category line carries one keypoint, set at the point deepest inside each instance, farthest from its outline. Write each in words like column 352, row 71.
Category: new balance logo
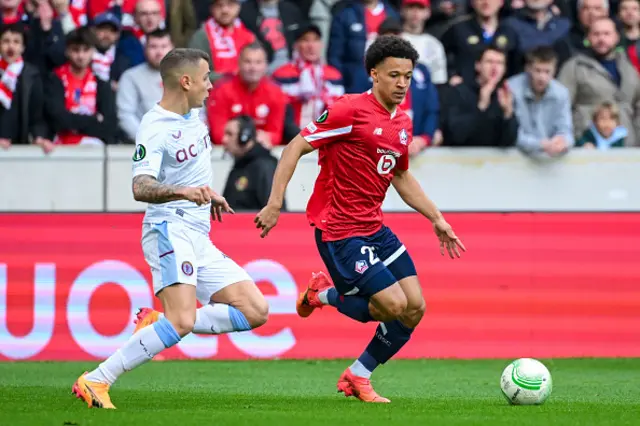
column 378, row 131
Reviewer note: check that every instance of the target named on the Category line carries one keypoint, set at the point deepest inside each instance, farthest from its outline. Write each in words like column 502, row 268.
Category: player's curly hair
column 389, row 46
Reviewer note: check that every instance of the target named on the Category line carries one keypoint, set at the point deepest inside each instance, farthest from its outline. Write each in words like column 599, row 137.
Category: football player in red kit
column 363, row 144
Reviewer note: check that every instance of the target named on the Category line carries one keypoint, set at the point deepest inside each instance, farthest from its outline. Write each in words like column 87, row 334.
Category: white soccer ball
column 526, row 381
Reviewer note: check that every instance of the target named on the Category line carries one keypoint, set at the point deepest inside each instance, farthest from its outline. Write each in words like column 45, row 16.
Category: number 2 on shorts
column 373, row 259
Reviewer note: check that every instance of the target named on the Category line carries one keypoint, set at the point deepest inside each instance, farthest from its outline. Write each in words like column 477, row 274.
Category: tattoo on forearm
column 147, row 189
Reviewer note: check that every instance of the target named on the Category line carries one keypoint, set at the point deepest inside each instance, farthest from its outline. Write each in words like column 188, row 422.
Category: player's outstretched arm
column 286, row 166
column 268, row 216
column 411, row 193
column 147, row 189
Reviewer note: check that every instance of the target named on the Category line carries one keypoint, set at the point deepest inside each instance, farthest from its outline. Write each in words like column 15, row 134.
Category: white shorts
column 177, row 254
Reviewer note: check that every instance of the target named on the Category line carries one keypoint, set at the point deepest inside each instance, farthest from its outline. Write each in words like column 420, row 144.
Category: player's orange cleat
column 308, row 300
column 359, row 387
column 96, row 395
column 145, row 317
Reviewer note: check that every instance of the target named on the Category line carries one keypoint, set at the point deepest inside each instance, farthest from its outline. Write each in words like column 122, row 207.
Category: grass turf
column 181, row 393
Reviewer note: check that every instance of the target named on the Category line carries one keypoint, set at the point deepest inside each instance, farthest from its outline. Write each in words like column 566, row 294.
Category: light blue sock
column 166, row 332
column 238, row 320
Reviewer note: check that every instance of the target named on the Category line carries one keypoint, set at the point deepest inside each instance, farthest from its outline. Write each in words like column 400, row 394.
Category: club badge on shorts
column 361, row 266
column 187, row 268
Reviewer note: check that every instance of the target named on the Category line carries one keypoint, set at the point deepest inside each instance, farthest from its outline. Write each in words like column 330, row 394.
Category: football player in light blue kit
column 172, row 172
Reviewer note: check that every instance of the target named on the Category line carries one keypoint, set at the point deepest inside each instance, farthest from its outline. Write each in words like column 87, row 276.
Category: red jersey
column 230, row 97
column 360, row 145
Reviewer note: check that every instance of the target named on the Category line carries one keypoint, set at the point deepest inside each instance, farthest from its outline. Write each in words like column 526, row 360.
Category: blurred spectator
column 181, row 21
column 108, row 62
column 481, row 112
column 129, row 11
column 250, row 93
column 353, row 28
column 305, row 6
column 249, row 182
column 310, row 84
column 542, row 106
column 178, row 16
column 45, row 38
column 536, row 25
column 558, row 7
column 415, row 14
column 21, row 93
column 80, row 106
column 603, row 74
column 71, row 14
column 275, row 23
column 577, row 42
column 321, row 14
column 147, row 18
column 629, row 15
column 605, row 130
column 12, row 11
column 141, row 86
column 444, row 14
column 466, row 40
column 93, row 8
column 421, row 102
column 223, row 36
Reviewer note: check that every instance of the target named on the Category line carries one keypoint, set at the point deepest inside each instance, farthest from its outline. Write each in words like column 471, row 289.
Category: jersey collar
column 375, row 100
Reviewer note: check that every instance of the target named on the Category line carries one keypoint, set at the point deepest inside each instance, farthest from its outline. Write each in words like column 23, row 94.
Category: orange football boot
column 145, row 317
column 95, row 394
column 359, row 387
column 308, row 300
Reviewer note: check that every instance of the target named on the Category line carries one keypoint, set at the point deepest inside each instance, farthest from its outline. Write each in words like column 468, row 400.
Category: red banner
column 540, row 285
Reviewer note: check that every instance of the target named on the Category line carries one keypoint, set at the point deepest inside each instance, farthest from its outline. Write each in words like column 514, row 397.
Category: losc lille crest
column 361, row 266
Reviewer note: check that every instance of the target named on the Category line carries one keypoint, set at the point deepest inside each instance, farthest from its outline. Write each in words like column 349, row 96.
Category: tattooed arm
column 147, row 189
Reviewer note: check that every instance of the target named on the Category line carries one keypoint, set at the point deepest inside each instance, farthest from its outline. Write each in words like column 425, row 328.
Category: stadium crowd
column 542, row 75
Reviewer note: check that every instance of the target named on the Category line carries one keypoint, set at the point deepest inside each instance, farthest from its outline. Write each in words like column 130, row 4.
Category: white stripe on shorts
column 394, row 256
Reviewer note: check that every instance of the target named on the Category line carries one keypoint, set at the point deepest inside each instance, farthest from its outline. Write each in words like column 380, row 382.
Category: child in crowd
column 605, row 131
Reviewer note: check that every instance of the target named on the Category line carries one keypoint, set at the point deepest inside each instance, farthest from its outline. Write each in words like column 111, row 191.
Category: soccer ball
column 526, row 381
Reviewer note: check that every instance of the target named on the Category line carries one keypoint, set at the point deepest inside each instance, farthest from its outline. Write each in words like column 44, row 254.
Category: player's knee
column 414, row 313
column 397, row 307
column 183, row 322
column 257, row 312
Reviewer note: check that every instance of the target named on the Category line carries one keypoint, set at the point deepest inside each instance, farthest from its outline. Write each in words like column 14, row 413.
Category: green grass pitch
column 423, row 392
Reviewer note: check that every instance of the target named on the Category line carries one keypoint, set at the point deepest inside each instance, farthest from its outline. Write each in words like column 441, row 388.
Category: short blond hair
column 609, row 107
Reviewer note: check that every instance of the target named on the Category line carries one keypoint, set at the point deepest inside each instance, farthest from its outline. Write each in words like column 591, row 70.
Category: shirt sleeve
column 148, row 154
column 333, row 124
